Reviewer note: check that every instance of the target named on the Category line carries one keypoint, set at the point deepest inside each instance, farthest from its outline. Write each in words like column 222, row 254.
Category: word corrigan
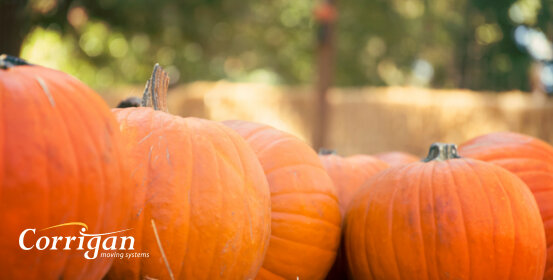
column 106, row 241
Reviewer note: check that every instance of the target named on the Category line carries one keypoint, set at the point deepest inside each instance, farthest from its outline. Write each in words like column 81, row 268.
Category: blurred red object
column 325, row 12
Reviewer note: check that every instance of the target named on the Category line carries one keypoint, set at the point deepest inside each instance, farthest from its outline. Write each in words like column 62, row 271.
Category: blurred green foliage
column 440, row 43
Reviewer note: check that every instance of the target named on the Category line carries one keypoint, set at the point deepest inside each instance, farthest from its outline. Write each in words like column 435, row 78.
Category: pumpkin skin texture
column 532, row 161
column 445, row 219
column 203, row 205
column 305, row 225
column 60, row 161
column 396, row 158
column 349, row 173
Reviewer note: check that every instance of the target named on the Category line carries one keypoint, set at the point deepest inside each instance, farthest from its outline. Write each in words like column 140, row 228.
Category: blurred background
column 357, row 76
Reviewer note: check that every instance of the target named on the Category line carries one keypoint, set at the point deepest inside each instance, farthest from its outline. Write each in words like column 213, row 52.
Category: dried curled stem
column 155, row 92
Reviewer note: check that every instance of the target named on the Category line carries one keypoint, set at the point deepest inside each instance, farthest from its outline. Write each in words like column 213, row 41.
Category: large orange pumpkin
column 396, row 158
column 60, row 162
column 447, row 218
column 349, row 173
column 305, row 213
column 202, row 207
column 532, row 161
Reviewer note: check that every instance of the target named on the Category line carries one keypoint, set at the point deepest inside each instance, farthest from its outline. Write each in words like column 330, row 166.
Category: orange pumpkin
column 202, row 207
column 528, row 158
column 396, row 158
column 348, row 174
column 61, row 162
column 446, row 218
column 305, row 222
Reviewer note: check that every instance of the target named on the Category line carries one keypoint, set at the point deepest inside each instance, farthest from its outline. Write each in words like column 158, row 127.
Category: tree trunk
column 325, row 71
column 11, row 26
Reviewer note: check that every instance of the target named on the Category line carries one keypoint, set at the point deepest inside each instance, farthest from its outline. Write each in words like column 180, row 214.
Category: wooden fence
column 366, row 120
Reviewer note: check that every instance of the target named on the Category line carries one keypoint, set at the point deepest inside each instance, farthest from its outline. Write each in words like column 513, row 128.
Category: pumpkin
column 202, row 206
column 396, row 158
column 305, row 221
column 349, row 173
column 445, row 218
column 61, row 162
column 528, row 158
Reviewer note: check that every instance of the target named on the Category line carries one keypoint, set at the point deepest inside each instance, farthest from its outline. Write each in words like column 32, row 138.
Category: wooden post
column 12, row 27
column 325, row 14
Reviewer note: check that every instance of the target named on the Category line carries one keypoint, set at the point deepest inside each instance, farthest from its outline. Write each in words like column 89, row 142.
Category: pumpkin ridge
column 419, row 206
column 142, row 212
column 309, row 217
column 47, row 204
column 532, row 151
column 240, row 169
column 273, row 274
column 300, row 164
column 327, row 251
column 486, row 192
column 255, row 131
column 305, row 193
column 390, row 215
column 546, row 221
column 261, row 152
column 102, row 172
column 192, row 157
column 538, row 161
column 455, row 187
column 245, row 183
column 513, row 220
column 36, row 103
column 364, row 238
column 229, row 162
column 77, row 203
column 402, row 172
column 170, row 249
column 435, row 229
column 228, row 133
column 5, row 118
column 217, row 170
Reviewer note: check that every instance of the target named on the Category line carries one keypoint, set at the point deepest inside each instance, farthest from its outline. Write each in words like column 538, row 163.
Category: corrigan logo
column 106, row 241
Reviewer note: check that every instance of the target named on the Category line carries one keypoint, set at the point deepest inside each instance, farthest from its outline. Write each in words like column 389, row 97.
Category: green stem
column 323, row 151
column 441, row 152
column 8, row 61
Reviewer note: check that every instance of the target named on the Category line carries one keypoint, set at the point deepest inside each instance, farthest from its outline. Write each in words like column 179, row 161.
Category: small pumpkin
column 445, row 218
column 305, row 222
column 396, row 158
column 61, row 161
column 349, row 173
column 528, row 158
column 202, row 206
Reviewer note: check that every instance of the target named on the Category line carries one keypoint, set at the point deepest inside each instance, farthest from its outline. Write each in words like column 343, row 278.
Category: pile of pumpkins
column 242, row 200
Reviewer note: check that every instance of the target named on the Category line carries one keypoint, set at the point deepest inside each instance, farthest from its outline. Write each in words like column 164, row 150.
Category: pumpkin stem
column 323, row 151
column 441, row 152
column 132, row 101
column 8, row 61
column 155, row 92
